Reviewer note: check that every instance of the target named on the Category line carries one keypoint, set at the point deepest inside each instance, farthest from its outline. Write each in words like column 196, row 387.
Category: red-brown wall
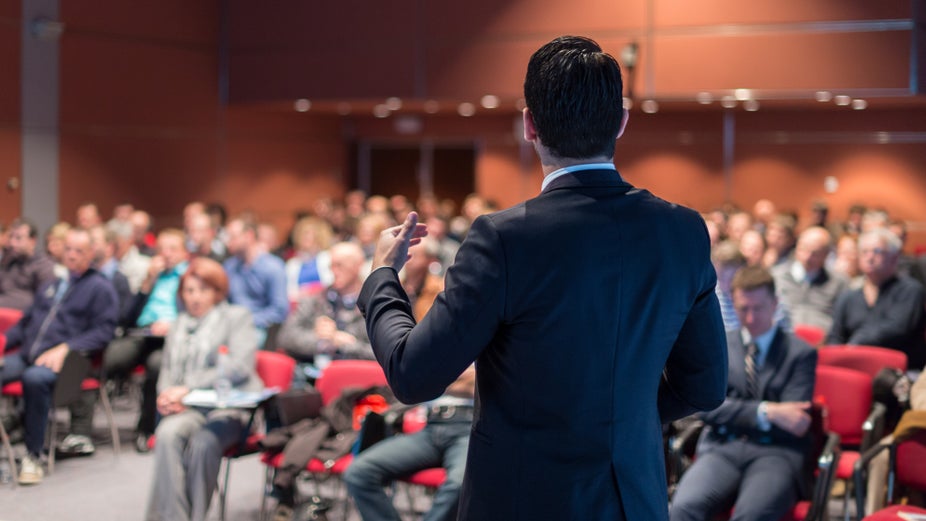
column 10, row 145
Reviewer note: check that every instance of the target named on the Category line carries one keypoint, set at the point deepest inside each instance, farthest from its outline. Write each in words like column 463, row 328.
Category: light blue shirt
column 162, row 301
column 763, row 344
column 260, row 287
column 574, row 168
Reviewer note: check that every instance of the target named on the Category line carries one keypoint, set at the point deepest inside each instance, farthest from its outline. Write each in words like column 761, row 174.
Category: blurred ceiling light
column 466, row 109
column 627, row 103
column 830, row 184
column 393, row 103
column 859, row 104
column 751, row 105
column 728, row 102
column 823, row 96
column 629, row 55
column 705, row 98
column 489, row 101
column 883, row 138
column 43, row 28
column 649, row 106
column 431, row 106
column 302, row 105
column 843, row 100
column 407, row 124
column 381, row 111
column 742, row 94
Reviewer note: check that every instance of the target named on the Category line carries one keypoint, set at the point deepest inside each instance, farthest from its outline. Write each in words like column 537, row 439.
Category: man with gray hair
column 888, row 310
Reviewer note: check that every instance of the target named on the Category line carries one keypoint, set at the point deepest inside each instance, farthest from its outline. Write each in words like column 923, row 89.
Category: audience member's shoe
column 142, row 444
column 282, row 513
column 76, row 445
column 30, row 472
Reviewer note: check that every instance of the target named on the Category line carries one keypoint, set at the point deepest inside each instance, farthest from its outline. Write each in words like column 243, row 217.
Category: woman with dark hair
column 191, row 440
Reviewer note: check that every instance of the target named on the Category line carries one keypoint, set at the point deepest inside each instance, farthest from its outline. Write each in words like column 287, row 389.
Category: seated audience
column 88, row 216
column 845, row 260
column 780, row 240
column 54, row 247
column 878, row 468
column 201, row 239
column 737, row 224
column 153, row 311
column 309, row 269
column 76, row 313
column 443, row 442
column 329, row 323
column 752, row 246
column 192, row 440
column 256, row 278
column 22, row 269
column 888, row 310
column 751, row 452
column 806, row 289
column 727, row 260
column 132, row 263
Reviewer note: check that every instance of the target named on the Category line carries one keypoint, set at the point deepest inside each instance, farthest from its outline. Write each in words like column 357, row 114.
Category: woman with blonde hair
column 309, row 270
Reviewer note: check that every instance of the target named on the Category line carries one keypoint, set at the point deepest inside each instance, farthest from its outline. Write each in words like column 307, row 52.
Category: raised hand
column 392, row 248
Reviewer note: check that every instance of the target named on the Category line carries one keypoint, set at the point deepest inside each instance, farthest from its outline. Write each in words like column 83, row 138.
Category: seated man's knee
column 205, row 441
column 38, row 377
column 359, row 474
column 153, row 362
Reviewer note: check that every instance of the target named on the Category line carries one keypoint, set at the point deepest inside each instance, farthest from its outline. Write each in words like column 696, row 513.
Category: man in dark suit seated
column 589, row 310
column 752, row 449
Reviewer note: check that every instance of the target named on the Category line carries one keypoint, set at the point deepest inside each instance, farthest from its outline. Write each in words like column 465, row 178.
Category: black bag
column 291, row 406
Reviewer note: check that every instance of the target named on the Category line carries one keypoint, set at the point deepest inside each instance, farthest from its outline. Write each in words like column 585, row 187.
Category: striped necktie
column 752, row 380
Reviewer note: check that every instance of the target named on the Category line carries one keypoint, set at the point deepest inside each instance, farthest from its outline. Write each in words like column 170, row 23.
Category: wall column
column 40, row 81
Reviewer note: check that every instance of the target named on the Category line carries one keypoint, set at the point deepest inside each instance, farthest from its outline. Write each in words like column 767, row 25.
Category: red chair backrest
column 8, row 318
column 846, row 393
column 867, row 359
column 341, row 374
column 2, row 344
column 813, row 335
column 275, row 369
column 911, row 461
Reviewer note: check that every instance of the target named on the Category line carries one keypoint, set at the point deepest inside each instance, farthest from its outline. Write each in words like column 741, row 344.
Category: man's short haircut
column 753, row 277
column 173, row 232
column 885, row 236
column 727, row 253
column 574, row 93
column 22, row 221
column 120, row 229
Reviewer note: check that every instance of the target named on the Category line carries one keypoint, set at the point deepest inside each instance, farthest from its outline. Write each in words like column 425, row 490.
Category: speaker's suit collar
column 588, row 179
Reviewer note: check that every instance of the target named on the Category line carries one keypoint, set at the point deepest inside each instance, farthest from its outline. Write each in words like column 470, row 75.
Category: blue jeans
column 438, row 444
column 38, row 388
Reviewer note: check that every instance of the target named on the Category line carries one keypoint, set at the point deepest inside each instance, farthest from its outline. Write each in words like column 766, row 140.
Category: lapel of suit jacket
column 589, row 179
column 776, row 354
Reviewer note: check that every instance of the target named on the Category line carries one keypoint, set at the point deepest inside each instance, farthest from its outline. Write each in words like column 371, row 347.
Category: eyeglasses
column 873, row 251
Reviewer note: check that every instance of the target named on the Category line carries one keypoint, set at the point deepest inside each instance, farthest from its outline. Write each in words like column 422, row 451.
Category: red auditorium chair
column 907, row 471
column 813, row 335
column 9, row 317
column 867, row 359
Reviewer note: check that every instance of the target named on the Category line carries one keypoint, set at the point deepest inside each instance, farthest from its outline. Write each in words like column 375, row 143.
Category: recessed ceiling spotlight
column 742, row 94
column 859, row 104
column 842, row 100
column 466, row 109
column 823, row 96
column 650, row 106
column 627, row 103
column 751, row 105
column 705, row 98
column 431, row 106
column 393, row 103
column 728, row 102
column 302, row 105
column 381, row 111
column 489, row 101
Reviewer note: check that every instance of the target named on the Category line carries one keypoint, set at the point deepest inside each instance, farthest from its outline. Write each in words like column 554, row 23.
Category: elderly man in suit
column 583, row 346
column 752, row 449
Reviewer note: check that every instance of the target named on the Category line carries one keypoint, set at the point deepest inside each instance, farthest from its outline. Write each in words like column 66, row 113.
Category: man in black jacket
column 73, row 314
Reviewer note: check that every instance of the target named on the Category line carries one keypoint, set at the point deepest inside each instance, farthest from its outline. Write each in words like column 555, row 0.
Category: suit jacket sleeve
column 695, row 375
column 420, row 362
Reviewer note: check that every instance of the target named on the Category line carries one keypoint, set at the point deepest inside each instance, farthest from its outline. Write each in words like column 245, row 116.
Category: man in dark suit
column 752, row 448
column 589, row 310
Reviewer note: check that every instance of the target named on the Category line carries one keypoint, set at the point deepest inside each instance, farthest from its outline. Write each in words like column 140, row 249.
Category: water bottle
column 222, row 383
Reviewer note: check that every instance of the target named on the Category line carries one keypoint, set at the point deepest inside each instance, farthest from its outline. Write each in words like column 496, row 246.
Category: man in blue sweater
column 77, row 313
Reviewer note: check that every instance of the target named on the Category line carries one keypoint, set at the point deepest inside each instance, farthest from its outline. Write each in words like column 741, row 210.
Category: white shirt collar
column 574, row 168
